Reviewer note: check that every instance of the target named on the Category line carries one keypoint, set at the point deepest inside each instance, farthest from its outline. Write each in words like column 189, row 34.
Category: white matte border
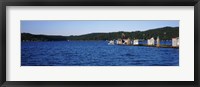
column 183, row 72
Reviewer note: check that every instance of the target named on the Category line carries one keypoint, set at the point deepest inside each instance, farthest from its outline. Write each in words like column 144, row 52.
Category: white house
column 119, row 41
column 111, row 42
column 136, row 42
column 151, row 41
column 175, row 42
column 127, row 41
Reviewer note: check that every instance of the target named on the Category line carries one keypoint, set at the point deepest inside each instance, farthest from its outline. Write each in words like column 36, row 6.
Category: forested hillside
column 165, row 33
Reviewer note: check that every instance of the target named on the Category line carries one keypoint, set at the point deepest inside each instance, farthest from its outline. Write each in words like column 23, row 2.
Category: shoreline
column 161, row 46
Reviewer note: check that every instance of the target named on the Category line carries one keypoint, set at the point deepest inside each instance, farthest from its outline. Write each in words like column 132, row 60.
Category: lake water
column 95, row 53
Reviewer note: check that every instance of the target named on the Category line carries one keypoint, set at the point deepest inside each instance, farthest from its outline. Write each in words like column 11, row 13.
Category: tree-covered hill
column 165, row 33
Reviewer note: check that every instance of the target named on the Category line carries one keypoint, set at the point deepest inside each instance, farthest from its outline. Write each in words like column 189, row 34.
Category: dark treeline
column 165, row 33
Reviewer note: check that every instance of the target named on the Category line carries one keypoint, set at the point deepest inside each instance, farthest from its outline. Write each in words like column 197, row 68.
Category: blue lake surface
column 95, row 53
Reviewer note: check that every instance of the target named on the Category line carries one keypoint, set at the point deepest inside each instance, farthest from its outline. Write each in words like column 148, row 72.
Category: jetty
column 161, row 46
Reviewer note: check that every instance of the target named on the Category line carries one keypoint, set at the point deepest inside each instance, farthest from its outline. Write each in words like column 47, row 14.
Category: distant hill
column 164, row 33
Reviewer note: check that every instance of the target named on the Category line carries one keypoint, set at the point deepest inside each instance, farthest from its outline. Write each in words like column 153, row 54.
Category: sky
column 80, row 27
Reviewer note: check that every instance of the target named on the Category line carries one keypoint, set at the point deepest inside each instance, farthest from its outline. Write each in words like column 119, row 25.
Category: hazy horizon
column 81, row 27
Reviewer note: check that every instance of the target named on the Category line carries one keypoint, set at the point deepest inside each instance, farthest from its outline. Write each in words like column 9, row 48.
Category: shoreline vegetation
column 164, row 33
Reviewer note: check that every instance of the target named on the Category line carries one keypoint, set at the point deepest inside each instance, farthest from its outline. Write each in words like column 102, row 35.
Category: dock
column 161, row 46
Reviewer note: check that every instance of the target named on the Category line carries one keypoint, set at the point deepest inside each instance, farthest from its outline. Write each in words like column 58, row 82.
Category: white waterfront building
column 111, row 42
column 119, row 41
column 127, row 41
column 136, row 42
column 175, row 42
column 151, row 41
